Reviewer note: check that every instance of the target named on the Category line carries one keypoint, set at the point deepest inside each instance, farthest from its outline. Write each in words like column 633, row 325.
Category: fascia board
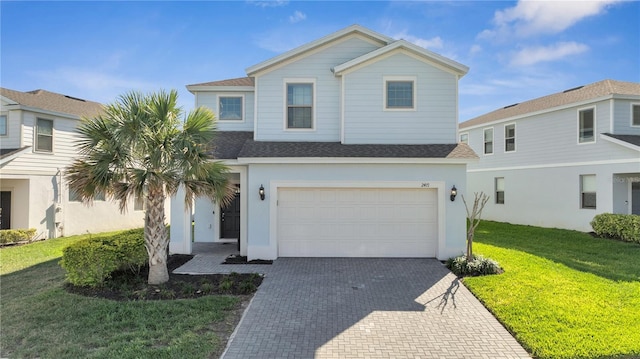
column 353, row 160
column 194, row 89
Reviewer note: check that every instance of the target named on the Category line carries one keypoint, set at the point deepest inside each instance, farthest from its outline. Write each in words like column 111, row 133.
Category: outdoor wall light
column 454, row 193
column 261, row 192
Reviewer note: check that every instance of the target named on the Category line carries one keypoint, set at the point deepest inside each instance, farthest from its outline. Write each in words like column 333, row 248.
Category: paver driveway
column 367, row 308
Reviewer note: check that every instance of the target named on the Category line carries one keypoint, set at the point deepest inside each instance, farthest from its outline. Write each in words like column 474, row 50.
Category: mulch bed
column 236, row 259
column 127, row 285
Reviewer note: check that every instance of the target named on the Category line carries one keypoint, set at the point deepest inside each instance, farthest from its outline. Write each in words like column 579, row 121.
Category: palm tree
column 138, row 147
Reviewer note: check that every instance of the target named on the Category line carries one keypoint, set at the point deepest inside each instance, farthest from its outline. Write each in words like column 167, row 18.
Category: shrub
column 16, row 235
column 91, row 261
column 625, row 227
column 478, row 266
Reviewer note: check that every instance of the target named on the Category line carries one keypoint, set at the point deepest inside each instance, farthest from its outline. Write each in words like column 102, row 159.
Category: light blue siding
column 270, row 92
column 209, row 99
column 622, row 118
column 433, row 120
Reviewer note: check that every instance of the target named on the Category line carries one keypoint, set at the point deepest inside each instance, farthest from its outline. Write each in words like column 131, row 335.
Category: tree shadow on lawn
column 611, row 259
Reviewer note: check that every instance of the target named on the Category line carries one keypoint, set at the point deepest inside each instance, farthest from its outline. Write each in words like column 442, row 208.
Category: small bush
column 16, row 235
column 625, row 227
column 477, row 267
column 91, row 261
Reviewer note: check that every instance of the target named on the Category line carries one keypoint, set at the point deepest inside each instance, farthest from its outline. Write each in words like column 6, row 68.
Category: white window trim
column 6, row 125
column 630, row 117
column 35, row 136
column 495, row 189
column 386, row 79
column 493, row 142
column 460, row 137
column 218, row 107
column 314, row 105
column 581, row 191
column 515, row 134
column 595, row 132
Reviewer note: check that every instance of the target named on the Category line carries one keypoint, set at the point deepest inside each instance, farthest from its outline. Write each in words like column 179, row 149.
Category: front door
column 230, row 219
column 635, row 198
column 5, row 210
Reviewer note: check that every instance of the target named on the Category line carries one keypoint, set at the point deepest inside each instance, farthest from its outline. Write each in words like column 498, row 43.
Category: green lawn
column 40, row 319
column 564, row 294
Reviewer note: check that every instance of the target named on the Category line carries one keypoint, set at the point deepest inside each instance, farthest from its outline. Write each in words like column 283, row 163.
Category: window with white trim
column 299, row 105
column 138, row 203
column 588, row 191
column 230, row 108
column 3, row 125
column 464, row 138
column 499, row 185
column 635, row 115
column 510, row 137
column 44, row 135
column 488, row 141
column 399, row 94
column 74, row 197
column 586, row 125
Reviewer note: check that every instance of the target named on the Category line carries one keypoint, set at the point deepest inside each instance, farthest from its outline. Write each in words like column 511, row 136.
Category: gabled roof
column 601, row 89
column 233, row 145
column 430, row 56
column 51, row 101
column 630, row 141
column 241, row 81
column 353, row 29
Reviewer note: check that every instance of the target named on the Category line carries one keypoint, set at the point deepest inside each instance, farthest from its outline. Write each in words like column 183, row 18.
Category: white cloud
column 533, row 55
column 269, row 3
column 475, row 49
column 297, row 17
column 432, row 43
column 543, row 17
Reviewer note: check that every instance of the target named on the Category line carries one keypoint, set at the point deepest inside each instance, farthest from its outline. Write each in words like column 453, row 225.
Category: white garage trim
column 274, row 186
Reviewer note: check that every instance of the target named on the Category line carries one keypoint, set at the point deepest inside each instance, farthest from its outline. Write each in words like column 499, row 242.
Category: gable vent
column 515, row 104
column 572, row 89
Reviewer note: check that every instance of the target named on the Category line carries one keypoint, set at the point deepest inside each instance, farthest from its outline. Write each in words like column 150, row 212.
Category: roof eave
column 203, row 88
column 622, row 143
column 350, row 160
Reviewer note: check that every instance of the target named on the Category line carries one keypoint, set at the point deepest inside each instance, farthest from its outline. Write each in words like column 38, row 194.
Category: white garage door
column 357, row 222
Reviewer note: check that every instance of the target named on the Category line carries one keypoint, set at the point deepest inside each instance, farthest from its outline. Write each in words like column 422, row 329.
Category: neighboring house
column 37, row 134
column 343, row 147
column 558, row 160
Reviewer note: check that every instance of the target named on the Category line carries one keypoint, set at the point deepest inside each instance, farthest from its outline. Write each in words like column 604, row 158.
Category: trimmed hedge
column 16, row 235
column 91, row 261
column 477, row 267
column 625, row 227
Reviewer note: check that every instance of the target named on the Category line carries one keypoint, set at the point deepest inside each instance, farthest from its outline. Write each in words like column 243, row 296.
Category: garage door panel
column 357, row 222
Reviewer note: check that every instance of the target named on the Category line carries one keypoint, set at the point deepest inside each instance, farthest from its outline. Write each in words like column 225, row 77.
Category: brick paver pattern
column 363, row 308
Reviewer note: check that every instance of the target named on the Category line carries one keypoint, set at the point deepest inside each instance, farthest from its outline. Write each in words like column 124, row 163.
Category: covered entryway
column 357, row 222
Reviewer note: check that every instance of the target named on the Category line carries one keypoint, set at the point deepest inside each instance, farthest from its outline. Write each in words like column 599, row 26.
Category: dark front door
column 5, row 210
column 635, row 198
column 230, row 219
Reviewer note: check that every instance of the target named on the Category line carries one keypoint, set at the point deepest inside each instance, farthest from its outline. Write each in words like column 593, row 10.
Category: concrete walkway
column 364, row 308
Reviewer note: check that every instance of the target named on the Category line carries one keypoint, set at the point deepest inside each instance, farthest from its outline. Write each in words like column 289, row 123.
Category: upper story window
column 44, row 135
column 588, row 191
column 464, row 138
column 488, row 141
column 510, row 137
column 399, row 93
column 635, row 115
column 586, row 126
column 3, row 125
column 300, row 105
column 230, row 108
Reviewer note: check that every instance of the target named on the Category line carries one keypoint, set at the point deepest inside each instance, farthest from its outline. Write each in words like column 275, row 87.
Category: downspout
column 57, row 208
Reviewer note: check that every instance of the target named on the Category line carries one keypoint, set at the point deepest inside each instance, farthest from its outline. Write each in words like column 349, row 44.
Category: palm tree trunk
column 155, row 236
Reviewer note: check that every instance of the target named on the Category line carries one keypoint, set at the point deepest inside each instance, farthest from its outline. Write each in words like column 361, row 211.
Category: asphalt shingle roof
column 6, row 152
column 632, row 139
column 242, row 81
column 231, row 145
column 52, row 101
column 587, row 92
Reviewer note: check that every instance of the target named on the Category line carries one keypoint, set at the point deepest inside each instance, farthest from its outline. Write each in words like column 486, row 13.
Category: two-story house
column 558, row 160
column 37, row 134
column 343, row 147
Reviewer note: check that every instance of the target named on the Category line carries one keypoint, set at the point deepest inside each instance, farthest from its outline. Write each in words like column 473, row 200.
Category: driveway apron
column 367, row 308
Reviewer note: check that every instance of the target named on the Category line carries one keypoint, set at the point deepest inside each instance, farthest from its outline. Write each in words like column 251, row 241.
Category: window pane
column 300, row 94
column 73, row 196
column 44, row 143
column 464, row 138
column 510, row 131
column 589, row 200
column 510, row 144
column 636, row 115
column 586, row 126
column 45, row 127
column 299, row 117
column 230, row 108
column 500, row 184
column 488, row 141
column 588, row 183
column 500, row 197
column 138, row 203
column 3, row 125
column 488, row 135
column 400, row 94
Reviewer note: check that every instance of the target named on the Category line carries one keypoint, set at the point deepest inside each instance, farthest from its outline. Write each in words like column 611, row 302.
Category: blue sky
column 516, row 51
